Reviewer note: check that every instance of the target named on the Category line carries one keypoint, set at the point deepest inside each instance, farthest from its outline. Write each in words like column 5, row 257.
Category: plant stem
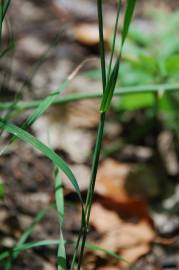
column 101, row 42
column 153, row 88
column 90, row 193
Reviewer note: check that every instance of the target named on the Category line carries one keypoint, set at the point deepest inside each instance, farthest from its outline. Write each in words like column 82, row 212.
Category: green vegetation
column 148, row 79
column 109, row 83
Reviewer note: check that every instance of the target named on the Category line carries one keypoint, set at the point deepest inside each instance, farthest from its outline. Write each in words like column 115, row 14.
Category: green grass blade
column 61, row 254
column 108, row 94
column 39, row 111
column 5, row 4
column 101, row 42
column 59, row 196
column 114, row 38
column 44, row 105
column 25, row 236
column 57, row 160
column 148, row 88
column 127, row 19
column 43, row 243
column 111, row 84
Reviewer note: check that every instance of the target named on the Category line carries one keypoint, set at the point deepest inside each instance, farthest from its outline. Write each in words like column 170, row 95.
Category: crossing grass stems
column 109, row 80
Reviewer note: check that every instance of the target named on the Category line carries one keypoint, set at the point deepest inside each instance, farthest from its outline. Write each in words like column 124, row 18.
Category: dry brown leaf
column 99, row 221
column 131, row 240
column 135, row 252
column 110, row 185
column 111, row 180
column 88, row 34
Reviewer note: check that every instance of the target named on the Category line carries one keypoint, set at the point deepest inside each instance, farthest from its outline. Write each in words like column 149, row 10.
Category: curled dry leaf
column 131, row 240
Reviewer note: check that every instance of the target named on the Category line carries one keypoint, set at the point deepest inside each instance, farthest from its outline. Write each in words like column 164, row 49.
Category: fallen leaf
column 98, row 219
column 130, row 240
column 111, row 186
column 111, row 180
column 135, row 252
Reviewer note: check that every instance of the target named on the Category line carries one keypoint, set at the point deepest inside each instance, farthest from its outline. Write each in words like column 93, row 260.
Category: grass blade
column 101, row 42
column 150, row 88
column 61, row 254
column 39, row 111
column 114, row 38
column 108, row 94
column 111, row 84
column 127, row 19
column 25, row 236
column 4, row 5
column 43, row 243
column 57, row 160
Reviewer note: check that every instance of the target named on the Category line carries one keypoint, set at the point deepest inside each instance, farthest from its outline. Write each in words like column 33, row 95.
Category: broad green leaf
column 147, row 63
column 172, row 64
column 136, row 101
column 142, row 39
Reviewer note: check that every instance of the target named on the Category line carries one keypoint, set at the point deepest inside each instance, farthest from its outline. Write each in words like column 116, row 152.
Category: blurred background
column 136, row 207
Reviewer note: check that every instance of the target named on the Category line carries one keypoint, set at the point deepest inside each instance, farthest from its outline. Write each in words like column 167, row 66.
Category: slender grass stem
column 90, row 193
column 114, row 38
column 151, row 88
column 101, row 42
column 99, row 138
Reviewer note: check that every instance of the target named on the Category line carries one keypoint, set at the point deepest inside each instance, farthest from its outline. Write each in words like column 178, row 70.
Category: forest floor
column 135, row 211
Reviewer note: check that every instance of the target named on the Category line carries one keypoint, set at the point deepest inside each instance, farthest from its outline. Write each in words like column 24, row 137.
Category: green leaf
column 55, row 242
column 101, row 42
column 61, row 255
column 108, row 93
column 111, row 83
column 127, row 19
column 39, row 111
column 172, row 64
column 114, row 39
column 2, row 190
column 136, row 101
column 57, row 160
